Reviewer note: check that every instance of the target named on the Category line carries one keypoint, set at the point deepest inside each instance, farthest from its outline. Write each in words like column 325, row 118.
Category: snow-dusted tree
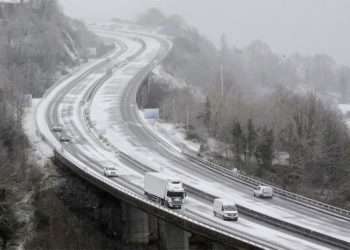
column 264, row 151
column 251, row 138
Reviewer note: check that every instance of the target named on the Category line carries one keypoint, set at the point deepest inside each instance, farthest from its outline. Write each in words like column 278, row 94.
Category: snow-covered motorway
column 102, row 118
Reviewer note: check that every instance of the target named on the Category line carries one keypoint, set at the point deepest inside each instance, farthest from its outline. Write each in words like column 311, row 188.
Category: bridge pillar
column 217, row 246
column 153, row 228
column 136, row 225
column 172, row 237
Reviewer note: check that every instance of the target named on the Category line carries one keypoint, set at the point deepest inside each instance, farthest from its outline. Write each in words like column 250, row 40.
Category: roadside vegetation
column 269, row 115
column 38, row 44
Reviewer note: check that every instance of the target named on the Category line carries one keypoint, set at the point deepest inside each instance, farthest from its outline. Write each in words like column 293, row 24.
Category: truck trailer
column 164, row 190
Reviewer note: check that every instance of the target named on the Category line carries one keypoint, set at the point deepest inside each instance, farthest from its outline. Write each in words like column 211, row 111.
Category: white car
column 110, row 172
column 263, row 191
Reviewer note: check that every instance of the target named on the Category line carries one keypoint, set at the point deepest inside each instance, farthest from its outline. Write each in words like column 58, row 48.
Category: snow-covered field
column 168, row 79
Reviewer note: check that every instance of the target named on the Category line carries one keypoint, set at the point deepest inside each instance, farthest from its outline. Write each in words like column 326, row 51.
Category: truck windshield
column 175, row 194
column 230, row 208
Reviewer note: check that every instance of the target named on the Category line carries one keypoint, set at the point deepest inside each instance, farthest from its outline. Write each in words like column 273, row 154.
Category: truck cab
column 163, row 189
column 225, row 209
column 175, row 194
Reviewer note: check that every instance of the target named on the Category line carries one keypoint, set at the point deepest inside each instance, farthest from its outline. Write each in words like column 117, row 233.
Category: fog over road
column 304, row 26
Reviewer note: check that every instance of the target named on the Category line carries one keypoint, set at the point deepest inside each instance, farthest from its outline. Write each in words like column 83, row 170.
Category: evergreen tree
column 264, row 151
column 207, row 114
column 238, row 139
column 251, row 138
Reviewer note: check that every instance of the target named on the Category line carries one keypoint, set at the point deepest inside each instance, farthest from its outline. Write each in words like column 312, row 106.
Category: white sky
column 288, row 26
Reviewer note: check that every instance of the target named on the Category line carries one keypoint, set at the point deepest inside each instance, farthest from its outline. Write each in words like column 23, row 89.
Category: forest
column 38, row 45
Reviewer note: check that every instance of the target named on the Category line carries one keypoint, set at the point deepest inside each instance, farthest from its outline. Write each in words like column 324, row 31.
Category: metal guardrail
column 276, row 222
column 252, row 182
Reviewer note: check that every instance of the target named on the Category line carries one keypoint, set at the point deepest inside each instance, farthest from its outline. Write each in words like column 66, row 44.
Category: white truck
column 165, row 190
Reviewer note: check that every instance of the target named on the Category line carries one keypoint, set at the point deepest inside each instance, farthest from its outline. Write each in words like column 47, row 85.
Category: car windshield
column 230, row 208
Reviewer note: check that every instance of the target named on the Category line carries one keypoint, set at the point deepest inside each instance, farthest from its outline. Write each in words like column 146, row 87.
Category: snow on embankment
column 172, row 134
column 161, row 76
column 41, row 152
column 345, row 110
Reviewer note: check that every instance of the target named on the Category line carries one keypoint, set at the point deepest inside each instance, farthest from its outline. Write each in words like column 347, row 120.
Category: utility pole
column 222, row 79
column 187, row 119
column 174, row 111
